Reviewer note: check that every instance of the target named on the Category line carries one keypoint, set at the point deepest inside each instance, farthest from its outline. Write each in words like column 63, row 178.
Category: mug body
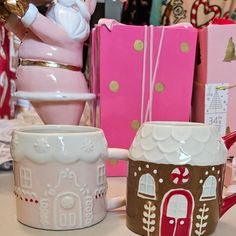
column 175, row 179
column 59, row 173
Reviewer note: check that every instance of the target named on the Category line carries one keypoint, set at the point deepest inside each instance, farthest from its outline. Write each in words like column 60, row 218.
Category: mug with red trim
column 60, row 178
column 175, row 180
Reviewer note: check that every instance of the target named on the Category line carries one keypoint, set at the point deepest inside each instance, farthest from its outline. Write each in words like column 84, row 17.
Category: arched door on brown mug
column 176, row 213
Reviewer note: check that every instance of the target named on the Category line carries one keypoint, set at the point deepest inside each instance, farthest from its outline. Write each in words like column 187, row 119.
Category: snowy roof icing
column 65, row 144
column 178, row 143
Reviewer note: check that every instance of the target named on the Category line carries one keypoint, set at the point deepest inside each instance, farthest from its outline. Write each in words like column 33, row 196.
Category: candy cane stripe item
column 207, row 10
column 180, row 175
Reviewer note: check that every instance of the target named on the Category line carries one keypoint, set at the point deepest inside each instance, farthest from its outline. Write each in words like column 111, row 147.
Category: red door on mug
column 176, row 216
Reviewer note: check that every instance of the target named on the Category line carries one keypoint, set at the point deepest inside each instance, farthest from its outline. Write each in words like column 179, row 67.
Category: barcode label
column 216, row 105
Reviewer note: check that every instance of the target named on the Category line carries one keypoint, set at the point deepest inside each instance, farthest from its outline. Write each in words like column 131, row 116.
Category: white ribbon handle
column 152, row 79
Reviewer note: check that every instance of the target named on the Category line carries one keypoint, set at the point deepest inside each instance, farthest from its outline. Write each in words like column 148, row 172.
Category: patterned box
column 215, row 84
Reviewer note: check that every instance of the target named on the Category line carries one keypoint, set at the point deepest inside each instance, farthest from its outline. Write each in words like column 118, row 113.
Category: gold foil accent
column 228, row 131
column 159, row 87
column 135, row 124
column 4, row 14
column 52, row 64
column 185, row 47
column 138, row 45
column 113, row 162
column 17, row 7
column 225, row 87
column 114, row 86
column 230, row 51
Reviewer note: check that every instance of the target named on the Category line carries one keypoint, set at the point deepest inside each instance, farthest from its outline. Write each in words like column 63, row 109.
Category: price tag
column 216, row 105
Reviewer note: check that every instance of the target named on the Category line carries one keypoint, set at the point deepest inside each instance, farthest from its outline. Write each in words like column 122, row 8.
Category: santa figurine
column 50, row 55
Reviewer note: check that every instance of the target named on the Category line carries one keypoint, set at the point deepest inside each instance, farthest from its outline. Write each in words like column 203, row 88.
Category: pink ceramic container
column 51, row 61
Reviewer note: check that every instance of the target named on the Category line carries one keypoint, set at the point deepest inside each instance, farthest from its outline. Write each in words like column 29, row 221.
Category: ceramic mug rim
column 176, row 124
column 55, row 130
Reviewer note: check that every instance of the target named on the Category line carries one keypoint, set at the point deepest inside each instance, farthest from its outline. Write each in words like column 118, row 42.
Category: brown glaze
column 163, row 176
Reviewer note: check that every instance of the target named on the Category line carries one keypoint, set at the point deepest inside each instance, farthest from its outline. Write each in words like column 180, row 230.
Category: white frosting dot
column 139, row 168
column 206, row 173
column 171, row 222
column 201, row 181
column 155, row 172
column 219, row 179
column 213, row 168
column 135, row 173
column 147, row 166
column 161, row 180
column 218, row 172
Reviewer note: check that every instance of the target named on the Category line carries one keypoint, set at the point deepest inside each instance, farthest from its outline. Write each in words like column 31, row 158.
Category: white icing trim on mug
column 64, row 144
column 178, row 143
column 38, row 96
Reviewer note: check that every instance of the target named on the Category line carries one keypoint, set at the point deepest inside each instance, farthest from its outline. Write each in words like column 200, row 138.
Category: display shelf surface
column 113, row 225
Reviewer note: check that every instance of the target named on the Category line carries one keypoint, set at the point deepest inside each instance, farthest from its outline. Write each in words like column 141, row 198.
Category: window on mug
column 147, row 188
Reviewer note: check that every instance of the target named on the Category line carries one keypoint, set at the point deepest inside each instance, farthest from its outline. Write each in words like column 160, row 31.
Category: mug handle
column 229, row 201
column 116, row 154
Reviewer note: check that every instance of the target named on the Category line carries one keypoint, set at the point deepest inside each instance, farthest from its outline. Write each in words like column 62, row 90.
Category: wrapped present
column 140, row 73
column 197, row 12
column 229, row 171
column 215, row 84
column 230, row 177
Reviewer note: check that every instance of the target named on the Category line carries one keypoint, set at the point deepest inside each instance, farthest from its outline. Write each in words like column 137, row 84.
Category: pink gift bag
column 140, row 73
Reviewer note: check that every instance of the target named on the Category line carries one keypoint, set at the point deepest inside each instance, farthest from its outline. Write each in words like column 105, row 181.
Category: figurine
column 50, row 56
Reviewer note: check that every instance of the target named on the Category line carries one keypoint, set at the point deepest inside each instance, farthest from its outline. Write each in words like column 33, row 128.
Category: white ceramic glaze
column 60, row 178
column 178, row 143
column 34, row 96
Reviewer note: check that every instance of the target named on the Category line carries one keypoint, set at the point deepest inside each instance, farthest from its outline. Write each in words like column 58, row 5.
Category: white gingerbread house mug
column 175, row 180
column 59, row 173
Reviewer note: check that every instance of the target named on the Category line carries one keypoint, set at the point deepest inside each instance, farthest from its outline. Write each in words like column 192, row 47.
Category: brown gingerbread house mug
column 175, row 180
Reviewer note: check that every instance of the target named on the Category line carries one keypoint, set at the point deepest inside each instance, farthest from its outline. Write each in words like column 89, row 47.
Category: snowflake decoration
column 180, row 175
column 41, row 145
column 67, row 202
column 87, row 146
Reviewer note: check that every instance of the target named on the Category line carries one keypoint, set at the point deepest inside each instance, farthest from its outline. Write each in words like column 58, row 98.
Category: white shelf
column 113, row 225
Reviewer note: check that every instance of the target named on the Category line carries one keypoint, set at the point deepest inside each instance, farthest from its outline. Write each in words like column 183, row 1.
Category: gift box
column 140, row 73
column 230, row 177
column 229, row 172
column 215, row 83
column 197, row 12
